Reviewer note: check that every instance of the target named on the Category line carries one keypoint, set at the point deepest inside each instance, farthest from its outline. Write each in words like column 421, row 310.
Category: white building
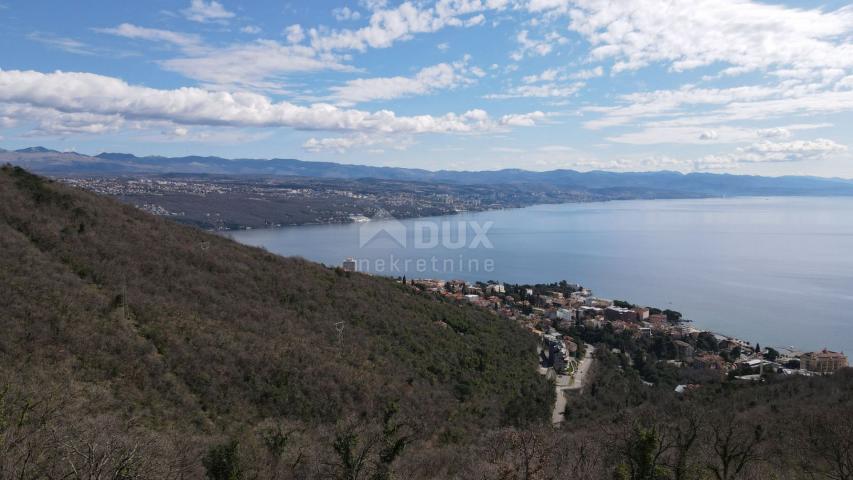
column 349, row 265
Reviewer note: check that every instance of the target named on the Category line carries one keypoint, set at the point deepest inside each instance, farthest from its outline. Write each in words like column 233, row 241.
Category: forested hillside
column 135, row 348
column 130, row 322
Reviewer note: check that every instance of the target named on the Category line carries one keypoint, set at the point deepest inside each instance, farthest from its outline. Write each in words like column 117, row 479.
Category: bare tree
column 828, row 444
column 733, row 445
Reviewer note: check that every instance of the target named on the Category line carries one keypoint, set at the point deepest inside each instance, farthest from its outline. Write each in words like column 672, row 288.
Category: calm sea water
column 774, row 270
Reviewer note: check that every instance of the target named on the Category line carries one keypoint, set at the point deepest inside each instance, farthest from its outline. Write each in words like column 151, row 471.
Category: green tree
column 642, row 451
column 395, row 437
column 222, row 462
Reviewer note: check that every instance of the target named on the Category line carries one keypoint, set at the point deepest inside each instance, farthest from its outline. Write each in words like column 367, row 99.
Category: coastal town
column 228, row 202
column 569, row 319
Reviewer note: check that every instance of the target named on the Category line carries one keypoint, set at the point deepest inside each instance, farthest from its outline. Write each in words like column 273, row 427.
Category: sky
column 731, row 86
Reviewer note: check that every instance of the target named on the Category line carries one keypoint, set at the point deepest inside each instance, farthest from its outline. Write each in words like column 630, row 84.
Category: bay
column 774, row 270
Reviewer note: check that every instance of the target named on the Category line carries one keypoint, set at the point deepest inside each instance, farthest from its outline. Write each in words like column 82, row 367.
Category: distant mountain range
column 668, row 183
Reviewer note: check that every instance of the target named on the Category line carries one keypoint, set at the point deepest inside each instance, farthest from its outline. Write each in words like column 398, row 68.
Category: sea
column 777, row 270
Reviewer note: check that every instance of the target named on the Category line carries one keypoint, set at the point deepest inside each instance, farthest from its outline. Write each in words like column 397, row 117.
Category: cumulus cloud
column 524, row 119
column 772, row 152
column 345, row 13
column 389, row 25
column 205, row 12
column 294, row 33
column 52, row 122
column 795, row 149
column 427, row 80
column 589, row 73
column 528, row 46
column 776, row 132
column 686, row 35
column 110, row 98
column 550, row 83
column 548, row 75
column 263, row 64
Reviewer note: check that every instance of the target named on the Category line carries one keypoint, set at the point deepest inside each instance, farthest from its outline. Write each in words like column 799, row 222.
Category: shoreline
column 648, row 273
column 455, row 214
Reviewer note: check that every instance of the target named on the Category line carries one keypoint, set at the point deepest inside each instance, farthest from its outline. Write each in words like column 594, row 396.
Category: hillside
column 119, row 318
column 136, row 348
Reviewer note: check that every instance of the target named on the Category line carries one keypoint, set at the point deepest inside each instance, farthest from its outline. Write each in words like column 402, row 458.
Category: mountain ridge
column 672, row 183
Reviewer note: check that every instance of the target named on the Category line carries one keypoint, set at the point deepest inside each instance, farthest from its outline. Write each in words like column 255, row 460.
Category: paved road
column 564, row 383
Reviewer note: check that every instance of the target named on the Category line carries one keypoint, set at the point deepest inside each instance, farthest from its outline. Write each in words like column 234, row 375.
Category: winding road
column 563, row 383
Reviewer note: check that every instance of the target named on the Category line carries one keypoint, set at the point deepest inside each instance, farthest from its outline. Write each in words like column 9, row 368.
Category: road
column 563, row 383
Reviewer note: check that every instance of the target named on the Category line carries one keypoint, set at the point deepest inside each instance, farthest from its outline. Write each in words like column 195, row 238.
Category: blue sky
column 704, row 85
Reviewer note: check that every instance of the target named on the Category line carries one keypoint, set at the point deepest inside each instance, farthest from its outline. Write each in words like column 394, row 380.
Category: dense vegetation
column 123, row 317
column 132, row 347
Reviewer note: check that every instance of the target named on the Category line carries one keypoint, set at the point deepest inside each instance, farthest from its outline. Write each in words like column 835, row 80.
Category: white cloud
column 186, row 41
column 373, row 4
column 589, row 73
column 258, row 66
column 343, row 14
column 528, row 46
column 347, row 143
column 670, row 102
column 102, row 97
column 776, row 132
column 547, row 90
column 263, row 65
column 294, row 33
column 52, row 122
column 655, row 133
column 430, row 79
column 690, row 34
column 475, row 20
column 548, row 75
column 251, row 29
column 550, row 83
column 389, row 25
column 65, row 44
column 760, row 152
column 203, row 12
column 524, row 119
column 818, row 146
column 772, row 152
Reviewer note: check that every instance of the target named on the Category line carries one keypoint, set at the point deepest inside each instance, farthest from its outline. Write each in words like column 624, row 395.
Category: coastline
column 677, row 264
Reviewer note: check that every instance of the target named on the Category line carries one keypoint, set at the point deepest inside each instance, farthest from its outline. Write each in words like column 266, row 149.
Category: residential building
column 349, row 265
column 823, row 361
column 617, row 313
